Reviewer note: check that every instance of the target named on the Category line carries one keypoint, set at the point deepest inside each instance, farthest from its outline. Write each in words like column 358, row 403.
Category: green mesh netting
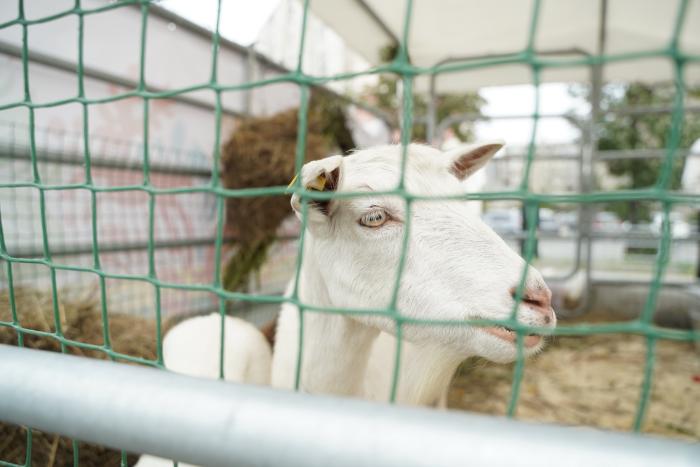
column 400, row 66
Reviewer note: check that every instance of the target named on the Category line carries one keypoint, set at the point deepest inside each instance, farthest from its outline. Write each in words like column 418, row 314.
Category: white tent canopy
column 442, row 30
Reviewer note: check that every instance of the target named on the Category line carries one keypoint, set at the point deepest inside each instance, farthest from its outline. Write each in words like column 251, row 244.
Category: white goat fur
column 192, row 348
column 456, row 268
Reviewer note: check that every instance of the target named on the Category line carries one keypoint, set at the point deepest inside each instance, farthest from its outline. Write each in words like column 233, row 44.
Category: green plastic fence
column 402, row 67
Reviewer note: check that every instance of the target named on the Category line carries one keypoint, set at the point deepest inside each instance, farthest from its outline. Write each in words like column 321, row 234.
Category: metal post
column 215, row 423
column 251, row 75
column 588, row 156
column 697, row 264
column 431, row 120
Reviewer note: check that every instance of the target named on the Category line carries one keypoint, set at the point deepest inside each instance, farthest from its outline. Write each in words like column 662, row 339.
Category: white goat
column 193, row 347
column 456, row 268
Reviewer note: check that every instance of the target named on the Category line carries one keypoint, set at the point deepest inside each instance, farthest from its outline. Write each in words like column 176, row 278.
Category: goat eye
column 374, row 218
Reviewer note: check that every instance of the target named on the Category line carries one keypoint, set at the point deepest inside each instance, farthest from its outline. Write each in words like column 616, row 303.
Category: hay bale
column 81, row 320
column 261, row 153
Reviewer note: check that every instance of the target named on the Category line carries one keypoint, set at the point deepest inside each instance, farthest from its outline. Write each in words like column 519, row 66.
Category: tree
column 619, row 131
column 384, row 95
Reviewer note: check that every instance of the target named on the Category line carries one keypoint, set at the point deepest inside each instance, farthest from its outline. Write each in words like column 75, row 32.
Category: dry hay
column 261, row 153
column 81, row 320
column 595, row 381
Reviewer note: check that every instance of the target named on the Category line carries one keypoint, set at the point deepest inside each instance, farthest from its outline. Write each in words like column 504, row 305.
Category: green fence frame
column 402, row 67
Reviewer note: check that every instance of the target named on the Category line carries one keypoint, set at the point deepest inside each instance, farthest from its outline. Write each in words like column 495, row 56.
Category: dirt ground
column 593, row 381
column 81, row 320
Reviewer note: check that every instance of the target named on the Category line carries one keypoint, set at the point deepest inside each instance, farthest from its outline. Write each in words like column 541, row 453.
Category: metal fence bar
column 67, row 66
column 604, row 155
column 166, row 15
column 19, row 153
column 651, row 239
column 469, row 117
column 84, row 249
column 221, row 424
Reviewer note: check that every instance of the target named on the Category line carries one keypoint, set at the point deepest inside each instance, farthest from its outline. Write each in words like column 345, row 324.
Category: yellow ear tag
column 319, row 184
column 293, row 181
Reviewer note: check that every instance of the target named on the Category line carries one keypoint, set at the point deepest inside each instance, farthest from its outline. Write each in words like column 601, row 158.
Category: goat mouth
column 508, row 335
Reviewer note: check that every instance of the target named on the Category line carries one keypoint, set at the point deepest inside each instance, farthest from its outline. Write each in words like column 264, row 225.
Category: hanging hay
column 261, row 153
column 594, row 381
column 81, row 320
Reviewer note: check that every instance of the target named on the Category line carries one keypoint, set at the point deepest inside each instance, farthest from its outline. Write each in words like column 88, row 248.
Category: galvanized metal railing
column 214, row 423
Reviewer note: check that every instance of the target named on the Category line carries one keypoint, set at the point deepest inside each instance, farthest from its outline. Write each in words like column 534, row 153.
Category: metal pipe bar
column 76, row 136
column 602, row 155
column 65, row 65
column 70, row 67
column 259, row 58
column 670, row 284
column 20, row 152
column 101, row 147
column 550, row 52
column 676, row 283
column 221, row 424
column 78, row 250
column 129, row 246
column 434, row 132
column 648, row 110
column 374, row 17
column 431, row 113
column 469, row 117
column 621, row 154
column 693, row 237
column 204, row 33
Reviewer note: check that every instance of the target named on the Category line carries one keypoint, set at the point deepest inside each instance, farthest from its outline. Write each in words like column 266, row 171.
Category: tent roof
column 445, row 29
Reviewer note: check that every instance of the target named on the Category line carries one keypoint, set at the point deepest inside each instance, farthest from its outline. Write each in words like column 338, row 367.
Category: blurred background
column 624, row 150
column 588, row 129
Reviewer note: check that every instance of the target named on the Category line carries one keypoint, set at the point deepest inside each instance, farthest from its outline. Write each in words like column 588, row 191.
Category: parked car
column 680, row 228
column 549, row 222
column 640, row 238
column 568, row 222
column 640, row 229
column 606, row 222
column 504, row 221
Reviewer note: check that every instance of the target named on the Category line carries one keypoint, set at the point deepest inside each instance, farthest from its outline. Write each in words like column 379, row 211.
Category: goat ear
column 466, row 159
column 320, row 175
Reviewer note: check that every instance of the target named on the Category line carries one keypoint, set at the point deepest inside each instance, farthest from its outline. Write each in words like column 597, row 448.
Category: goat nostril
column 538, row 298
column 535, row 302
